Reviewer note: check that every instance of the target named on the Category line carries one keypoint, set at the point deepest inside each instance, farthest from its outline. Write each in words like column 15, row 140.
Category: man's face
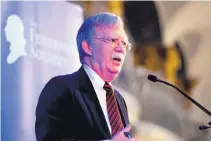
column 108, row 49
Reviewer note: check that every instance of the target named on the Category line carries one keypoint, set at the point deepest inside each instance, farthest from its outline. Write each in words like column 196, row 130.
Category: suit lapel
column 122, row 109
column 93, row 104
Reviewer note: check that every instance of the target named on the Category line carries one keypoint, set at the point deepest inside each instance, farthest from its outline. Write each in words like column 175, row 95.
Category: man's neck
column 92, row 67
column 106, row 76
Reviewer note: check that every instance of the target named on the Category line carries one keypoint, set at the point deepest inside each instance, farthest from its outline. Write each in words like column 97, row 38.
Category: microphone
column 128, row 135
column 153, row 78
column 202, row 127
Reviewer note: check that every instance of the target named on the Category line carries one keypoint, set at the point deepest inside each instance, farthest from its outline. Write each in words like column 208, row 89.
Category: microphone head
column 152, row 78
column 202, row 127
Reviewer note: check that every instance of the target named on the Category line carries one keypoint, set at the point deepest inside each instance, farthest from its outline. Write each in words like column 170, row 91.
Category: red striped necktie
column 113, row 110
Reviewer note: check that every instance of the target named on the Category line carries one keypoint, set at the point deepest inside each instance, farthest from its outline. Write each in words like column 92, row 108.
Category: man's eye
column 114, row 40
column 124, row 43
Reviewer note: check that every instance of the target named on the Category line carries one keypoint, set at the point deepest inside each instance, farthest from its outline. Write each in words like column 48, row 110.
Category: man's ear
column 87, row 49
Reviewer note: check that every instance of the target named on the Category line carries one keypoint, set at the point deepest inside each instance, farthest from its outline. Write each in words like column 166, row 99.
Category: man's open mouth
column 117, row 59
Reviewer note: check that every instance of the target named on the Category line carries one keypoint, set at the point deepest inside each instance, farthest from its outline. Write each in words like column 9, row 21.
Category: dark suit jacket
column 68, row 109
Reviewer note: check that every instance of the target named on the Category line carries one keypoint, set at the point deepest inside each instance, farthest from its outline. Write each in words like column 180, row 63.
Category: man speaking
column 84, row 105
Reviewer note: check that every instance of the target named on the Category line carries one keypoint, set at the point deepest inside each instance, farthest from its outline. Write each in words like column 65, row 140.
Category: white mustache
column 118, row 55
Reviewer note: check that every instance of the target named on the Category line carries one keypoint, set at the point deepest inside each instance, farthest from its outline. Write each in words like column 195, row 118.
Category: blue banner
column 38, row 42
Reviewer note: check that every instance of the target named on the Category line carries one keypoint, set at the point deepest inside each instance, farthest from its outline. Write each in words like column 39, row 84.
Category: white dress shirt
column 98, row 84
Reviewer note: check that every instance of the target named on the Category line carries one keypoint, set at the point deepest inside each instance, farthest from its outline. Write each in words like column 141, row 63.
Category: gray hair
column 88, row 28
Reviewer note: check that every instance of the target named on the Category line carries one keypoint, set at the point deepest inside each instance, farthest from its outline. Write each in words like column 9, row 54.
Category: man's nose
column 120, row 48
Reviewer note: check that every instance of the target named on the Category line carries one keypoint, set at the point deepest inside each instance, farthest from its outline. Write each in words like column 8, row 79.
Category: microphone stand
column 202, row 127
column 192, row 100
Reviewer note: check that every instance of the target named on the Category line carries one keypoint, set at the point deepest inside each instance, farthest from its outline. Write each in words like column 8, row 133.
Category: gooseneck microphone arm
column 192, row 100
column 155, row 79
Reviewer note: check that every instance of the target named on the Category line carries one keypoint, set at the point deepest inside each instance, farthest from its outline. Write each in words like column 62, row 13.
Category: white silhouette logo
column 14, row 32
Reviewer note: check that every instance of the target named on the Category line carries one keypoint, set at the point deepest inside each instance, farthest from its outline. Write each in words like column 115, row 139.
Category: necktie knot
column 108, row 88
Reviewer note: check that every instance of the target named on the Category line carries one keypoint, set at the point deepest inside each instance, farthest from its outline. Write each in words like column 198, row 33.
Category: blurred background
column 171, row 39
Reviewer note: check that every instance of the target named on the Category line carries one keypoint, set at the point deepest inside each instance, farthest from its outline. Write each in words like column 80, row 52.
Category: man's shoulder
column 59, row 85
column 65, row 79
